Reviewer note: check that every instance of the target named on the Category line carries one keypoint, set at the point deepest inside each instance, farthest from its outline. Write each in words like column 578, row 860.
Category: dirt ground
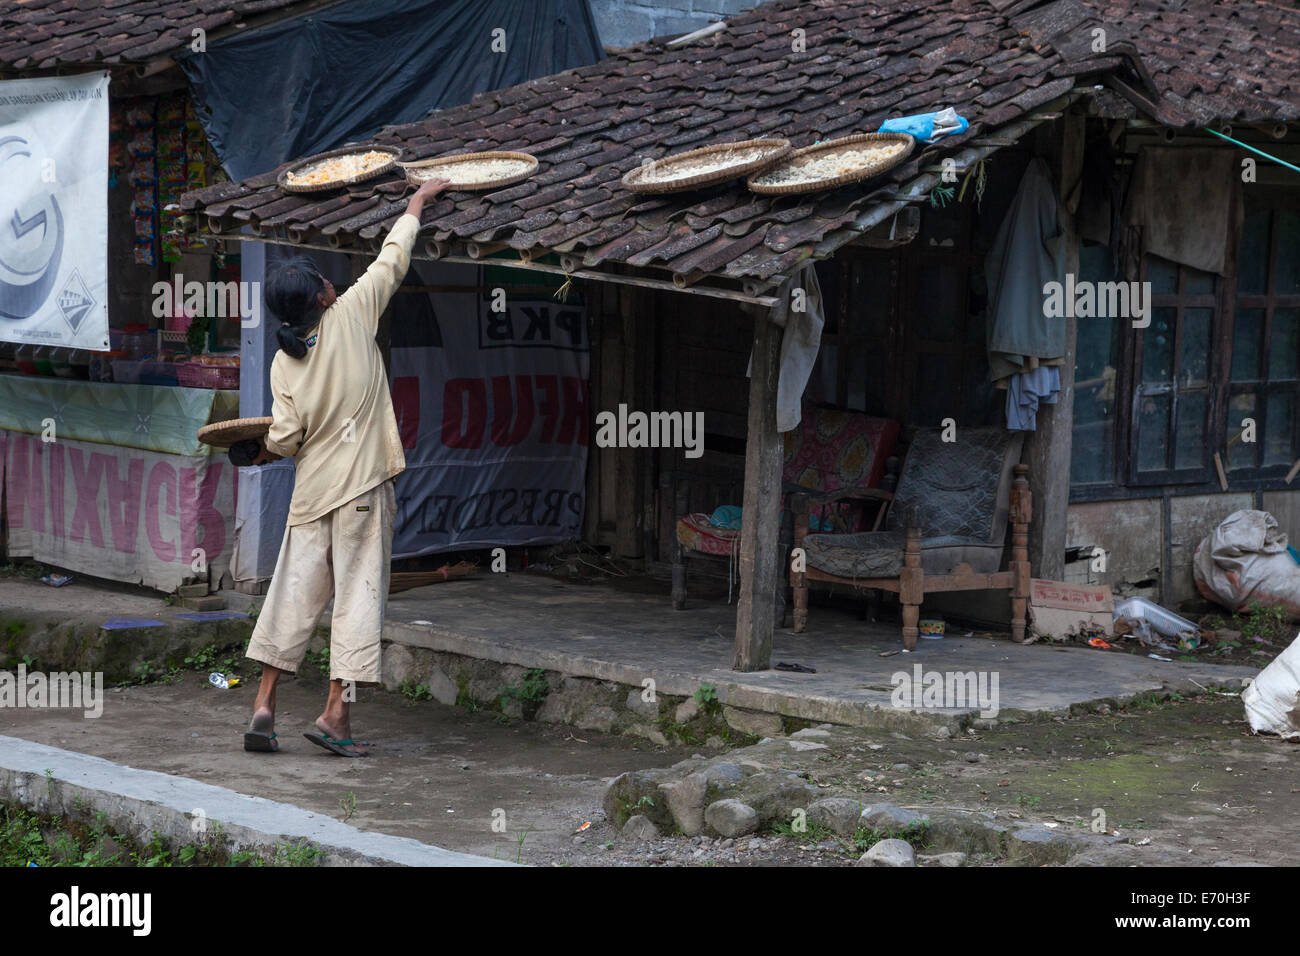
column 1186, row 775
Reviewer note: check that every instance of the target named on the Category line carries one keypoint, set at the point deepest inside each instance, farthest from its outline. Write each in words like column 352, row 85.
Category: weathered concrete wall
column 1128, row 531
column 1133, row 534
column 1285, row 507
column 624, row 22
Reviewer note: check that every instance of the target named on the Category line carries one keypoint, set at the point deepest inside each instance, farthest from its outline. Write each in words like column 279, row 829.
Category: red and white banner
column 493, row 411
column 118, row 513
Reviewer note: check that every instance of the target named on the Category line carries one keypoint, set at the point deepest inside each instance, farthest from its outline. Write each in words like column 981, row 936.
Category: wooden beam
column 1049, row 447
column 759, row 529
column 628, row 490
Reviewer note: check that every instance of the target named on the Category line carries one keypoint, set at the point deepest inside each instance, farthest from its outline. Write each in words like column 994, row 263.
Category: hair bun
column 295, row 346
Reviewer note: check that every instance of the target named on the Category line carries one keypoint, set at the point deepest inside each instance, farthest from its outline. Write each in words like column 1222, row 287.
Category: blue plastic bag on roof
column 927, row 127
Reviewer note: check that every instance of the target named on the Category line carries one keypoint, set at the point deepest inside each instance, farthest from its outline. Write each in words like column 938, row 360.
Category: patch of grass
column 1266, row 624
column 348, row 804
column 519, row 855
column 529, row 692
column 21, row 840
column 1154, row 700
column 413, row 691
column 53, row 841
column 28, row 569
column 917, row 834
column 204, row 659
column 320, row 659
column 809, row 833
column 152, row 672
column 301, row 853
column 707, row 698
column 532, row 686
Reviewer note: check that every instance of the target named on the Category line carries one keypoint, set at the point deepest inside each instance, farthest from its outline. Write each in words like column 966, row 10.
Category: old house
column 1167, row 130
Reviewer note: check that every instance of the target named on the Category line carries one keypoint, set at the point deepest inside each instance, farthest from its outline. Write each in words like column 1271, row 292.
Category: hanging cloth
column 1028, row 253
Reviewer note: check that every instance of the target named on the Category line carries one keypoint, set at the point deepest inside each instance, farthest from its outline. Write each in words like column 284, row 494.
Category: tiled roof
column 862, row 61
column 1215, row 60
column 40, row 34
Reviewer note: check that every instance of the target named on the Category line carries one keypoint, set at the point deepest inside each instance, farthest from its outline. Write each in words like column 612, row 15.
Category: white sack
column 1273, row 699
column 1245, row 560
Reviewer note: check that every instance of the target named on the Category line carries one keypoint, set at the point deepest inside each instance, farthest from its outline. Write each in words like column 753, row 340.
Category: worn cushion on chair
column 879, row 554
column 834, row 449
column 960, row 488
column 959, row 492
column 695, row 533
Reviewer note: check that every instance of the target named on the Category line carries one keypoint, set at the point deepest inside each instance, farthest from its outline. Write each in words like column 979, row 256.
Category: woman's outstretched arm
column 369, row 295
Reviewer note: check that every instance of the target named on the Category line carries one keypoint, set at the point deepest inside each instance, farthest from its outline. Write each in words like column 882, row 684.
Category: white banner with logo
column 54, row 211
column 493, row 411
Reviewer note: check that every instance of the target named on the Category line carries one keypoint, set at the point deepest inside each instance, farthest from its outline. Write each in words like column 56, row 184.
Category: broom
column 405, row 580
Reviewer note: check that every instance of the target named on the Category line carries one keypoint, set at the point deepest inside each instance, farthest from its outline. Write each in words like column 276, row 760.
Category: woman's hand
column 265, row 457
column 250, row 451
column 427, row 190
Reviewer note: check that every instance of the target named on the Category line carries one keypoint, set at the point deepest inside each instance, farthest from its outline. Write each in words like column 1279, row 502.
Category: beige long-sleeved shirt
column 331, row 409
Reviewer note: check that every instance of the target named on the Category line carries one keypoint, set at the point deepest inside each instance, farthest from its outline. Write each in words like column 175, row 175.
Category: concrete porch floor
column 627, row 632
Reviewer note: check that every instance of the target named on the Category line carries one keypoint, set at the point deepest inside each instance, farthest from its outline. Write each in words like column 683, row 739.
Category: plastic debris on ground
column 1151, row 623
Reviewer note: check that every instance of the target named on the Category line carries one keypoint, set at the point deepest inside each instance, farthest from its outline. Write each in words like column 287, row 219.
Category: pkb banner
column 493, row 411
column 54, row 211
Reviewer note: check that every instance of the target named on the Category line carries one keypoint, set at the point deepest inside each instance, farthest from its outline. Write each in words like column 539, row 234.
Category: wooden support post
column 1022, row 515
column 681, row 505
column 628, row 537
column 760, row 522
column 798, row 579
column 911, row 586
column 1048, row 449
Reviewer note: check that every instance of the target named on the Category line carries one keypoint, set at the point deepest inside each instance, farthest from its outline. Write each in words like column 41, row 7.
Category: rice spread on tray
column 669, row 171
column 472, row 172
column 828, row 165
column 340, row 167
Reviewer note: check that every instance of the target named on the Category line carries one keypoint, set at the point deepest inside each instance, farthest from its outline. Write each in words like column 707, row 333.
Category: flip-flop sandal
column 257, row 742
column 333, row 745
column 797, row 668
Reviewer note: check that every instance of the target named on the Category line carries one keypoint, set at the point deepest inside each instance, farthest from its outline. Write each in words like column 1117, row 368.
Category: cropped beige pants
column 344, row 554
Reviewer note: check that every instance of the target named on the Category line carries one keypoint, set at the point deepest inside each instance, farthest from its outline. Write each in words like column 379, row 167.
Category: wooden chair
column 835, row 459
column 964, row 491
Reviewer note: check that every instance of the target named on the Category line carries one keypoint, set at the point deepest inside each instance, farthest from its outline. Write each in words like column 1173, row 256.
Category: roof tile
column 993, row 60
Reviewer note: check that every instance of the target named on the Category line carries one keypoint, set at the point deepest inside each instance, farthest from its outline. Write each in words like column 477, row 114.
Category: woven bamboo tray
column 224, row 434
column 283, row 179
column 636, row 179
column 426, row 169
column 756, row 181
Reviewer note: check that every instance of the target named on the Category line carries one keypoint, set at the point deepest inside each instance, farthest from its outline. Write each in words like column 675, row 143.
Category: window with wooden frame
column 1172, row 375
column 1264, row 382
column 1218, row 365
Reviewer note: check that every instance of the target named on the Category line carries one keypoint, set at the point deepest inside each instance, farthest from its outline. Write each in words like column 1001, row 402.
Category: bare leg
column 337, row 720
column 264, row 704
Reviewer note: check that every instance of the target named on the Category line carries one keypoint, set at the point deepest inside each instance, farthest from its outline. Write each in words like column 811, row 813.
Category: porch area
column 626, row 632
